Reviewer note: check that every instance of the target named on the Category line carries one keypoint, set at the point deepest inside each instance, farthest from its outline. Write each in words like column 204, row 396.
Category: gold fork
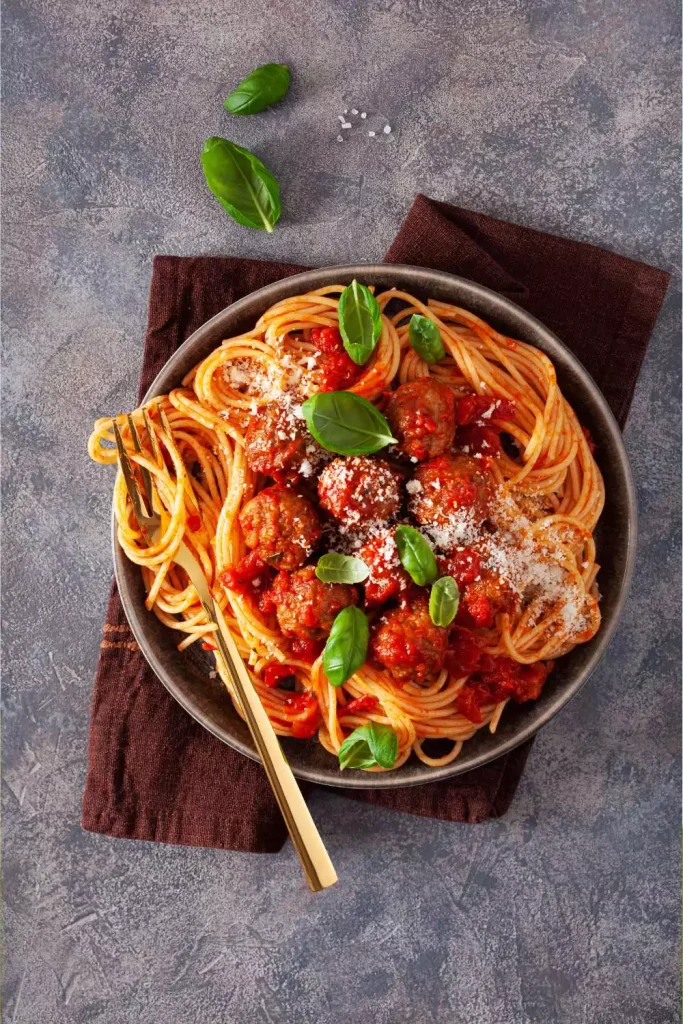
column 315, row 859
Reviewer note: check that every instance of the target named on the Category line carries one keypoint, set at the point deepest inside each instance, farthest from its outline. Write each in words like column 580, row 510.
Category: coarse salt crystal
column 387, row 129
column 340, row 138
column 306, row 468
column 371, row 134
column 413, row 486
column 346, row 124
column 353, row 110
column 363, row 115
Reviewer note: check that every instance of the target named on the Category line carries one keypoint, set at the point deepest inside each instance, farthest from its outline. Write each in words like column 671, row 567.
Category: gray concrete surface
column 561, row 114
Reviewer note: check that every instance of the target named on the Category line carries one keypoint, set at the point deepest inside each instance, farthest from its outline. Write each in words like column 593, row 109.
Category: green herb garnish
column 369, row 745
column 345, row 423
column 347, row 645
column 334, row 568
column 360, row 321
column 425, row 338
column 246, row 189
column 260, row 89
column 416, row 555
column 443, row 601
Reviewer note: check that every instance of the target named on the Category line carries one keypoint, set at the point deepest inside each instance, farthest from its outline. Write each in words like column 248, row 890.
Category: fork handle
column 315, row 859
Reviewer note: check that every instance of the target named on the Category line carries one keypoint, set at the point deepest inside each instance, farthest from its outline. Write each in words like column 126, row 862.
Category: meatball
column 278, row 445
column 360, row 489
column 281, row 526
column 387, row 576
column 305, row 606
column 483, row 599
column 407, row 642
column 422, row 417
column 444, row 485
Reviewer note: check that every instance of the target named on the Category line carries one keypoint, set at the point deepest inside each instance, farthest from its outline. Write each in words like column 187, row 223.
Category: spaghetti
column 508, row 504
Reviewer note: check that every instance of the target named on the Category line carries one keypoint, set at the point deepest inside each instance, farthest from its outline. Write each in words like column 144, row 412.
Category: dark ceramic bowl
column 186, row 675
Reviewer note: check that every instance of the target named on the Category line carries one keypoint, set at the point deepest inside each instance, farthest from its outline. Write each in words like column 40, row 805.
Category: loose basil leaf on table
column 416, row 555
column 347, row 645
column 360, row 321
column 368, row 746
column 260, row 89
column 345, row 423
column 246, row 189
column 443, row 601
column 334, row 568
column 425, row 338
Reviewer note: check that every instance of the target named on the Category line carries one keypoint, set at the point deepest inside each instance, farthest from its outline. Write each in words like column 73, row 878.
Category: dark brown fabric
column 153, row 772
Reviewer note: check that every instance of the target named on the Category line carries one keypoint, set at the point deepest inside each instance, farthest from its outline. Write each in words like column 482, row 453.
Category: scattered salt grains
column 346, row 124
column 387, row 129
column 340, row 138
column 306, row 468
column 354, row 111
column 363, row 115
column 372, row 134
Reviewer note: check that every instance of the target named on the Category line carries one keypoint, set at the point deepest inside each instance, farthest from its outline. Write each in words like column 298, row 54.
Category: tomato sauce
column 304, row 705
column 368, row 702
column 275, row 673
column 491, row 679
column 476, row 417
column 306, row 650
column 252, row 578
column 464, row 566
column 337, row 369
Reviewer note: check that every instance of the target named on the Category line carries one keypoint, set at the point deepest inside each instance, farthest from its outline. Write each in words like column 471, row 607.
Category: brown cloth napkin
column 153, row 772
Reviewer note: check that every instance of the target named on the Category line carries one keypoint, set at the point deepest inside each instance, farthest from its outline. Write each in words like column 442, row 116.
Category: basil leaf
column 246, row 189
column 425, row 338
column 334, row 568
column 347, row 645
column 260, row 89
column 443, row 601
column 360, row 321
column 369, row 745
column 416, row 555
column 345, row 423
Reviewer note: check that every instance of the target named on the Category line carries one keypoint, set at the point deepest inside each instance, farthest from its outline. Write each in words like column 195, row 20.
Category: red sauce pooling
column 194, row 523
column 464, row 566
column 474, row 415
column 274, row 674
column 251, row 577
column 306, row 705
column 337, row 369
column 306, row 650
column 492, row 679
column 366, row 703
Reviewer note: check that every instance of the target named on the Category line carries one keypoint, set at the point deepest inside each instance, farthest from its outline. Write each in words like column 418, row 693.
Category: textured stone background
column 561, row 114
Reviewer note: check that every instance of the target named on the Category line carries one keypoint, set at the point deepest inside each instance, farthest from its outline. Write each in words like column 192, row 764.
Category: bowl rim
column 501, row 307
